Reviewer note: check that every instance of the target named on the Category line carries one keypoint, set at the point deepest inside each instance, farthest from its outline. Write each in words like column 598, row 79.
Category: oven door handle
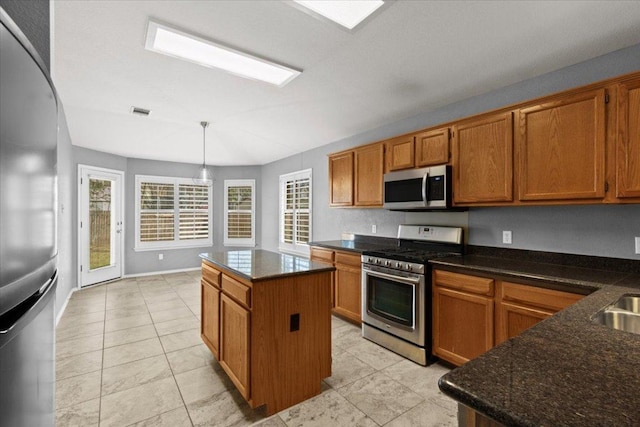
column 412, row 280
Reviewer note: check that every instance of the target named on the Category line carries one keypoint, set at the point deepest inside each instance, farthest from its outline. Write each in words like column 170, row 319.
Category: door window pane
column 100, row 254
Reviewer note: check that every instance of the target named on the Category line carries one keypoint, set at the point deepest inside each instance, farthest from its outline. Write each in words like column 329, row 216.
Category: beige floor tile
column 337, row 322
column 126, row 336
column 75, row 346
column 177, row 325
column 346, row 368
column 130, row 352
column 190, row 358
column 77, row 365
column 78, row 389
column 85, row 414
column 77, row 308
column 69, row 321
column 132, row 374
column 119, row 313
column 150, row 280
column 155, row 297
column 171, row 304
column 78, row 298
column 139, row 403
column 380, row 397
column 127, row 322
column 419, row 379
column 124, row 300
column 227, row 408
column 327, row 409
column 176, row 418
column 346, row 336
column 203, row 383
column 274, row 421
column 78, row 331
column 374, row 355
column 180, row 340
column 426, row 414
column 171, row 314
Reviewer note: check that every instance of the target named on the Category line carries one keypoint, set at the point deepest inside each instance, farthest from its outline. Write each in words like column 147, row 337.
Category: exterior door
column 100, row 195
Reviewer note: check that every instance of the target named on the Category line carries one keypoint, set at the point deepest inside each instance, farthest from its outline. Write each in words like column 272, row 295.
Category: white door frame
column 120, row 236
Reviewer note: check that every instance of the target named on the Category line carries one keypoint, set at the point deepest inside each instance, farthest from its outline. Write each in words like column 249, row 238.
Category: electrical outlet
column 638, row 245
column 160, row 257
column 374, row 229
column 506, row 237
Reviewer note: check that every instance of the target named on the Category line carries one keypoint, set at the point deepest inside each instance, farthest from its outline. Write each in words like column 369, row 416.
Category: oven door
column 394, row 302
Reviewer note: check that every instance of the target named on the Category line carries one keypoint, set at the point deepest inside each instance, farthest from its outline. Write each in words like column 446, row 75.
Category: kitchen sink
column 623, row 315
column 629, row 303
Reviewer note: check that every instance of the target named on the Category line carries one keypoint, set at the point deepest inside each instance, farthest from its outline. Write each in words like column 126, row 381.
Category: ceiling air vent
column 140, row 111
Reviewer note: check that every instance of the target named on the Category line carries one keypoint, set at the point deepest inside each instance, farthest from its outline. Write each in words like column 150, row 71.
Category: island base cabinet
column 467, row 417
column 210, row 325
column 234, row 349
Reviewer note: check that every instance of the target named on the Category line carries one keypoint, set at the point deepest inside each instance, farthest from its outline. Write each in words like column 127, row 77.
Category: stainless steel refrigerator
column 28, row 190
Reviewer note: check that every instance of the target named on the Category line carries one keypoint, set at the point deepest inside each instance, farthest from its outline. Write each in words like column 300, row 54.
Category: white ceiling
column 413, row 57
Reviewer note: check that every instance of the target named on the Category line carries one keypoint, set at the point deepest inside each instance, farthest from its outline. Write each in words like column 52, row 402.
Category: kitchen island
column 567, row 370
column 266, row 317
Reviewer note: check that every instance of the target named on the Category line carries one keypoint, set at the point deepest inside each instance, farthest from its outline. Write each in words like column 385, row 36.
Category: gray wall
column 594, row 230
column 141, row 262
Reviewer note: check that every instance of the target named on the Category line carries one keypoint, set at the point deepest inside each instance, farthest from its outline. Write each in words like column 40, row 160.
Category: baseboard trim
column 154, row 273
column 64, row 306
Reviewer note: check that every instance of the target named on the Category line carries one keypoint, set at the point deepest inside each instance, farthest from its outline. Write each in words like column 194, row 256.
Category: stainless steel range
column 396, row 289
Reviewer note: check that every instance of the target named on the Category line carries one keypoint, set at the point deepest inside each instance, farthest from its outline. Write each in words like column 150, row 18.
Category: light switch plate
column 638, row 245
column 506, row 237
column 374, row 229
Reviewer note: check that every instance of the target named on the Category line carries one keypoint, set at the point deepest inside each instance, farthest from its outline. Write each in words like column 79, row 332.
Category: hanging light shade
column 204, row 176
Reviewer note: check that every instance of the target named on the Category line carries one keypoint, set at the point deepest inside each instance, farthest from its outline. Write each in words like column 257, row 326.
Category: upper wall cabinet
column 432, row 147
column 341, row 179
column 369, row 173
column 561, row 148
column 483, row 160
column 628, row 147
column 400, row 153
column 355, row 176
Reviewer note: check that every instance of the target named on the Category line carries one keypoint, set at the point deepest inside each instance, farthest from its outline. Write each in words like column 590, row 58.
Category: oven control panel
column 393, row 264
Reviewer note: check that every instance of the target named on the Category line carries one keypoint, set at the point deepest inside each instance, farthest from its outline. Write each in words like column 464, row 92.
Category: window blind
column 239, row 212
column 295, row 211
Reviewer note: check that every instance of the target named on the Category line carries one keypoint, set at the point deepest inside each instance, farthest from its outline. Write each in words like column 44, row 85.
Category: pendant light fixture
column 204, row 176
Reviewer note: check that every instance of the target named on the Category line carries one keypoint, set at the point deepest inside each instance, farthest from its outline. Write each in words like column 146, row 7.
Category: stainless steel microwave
column 418, row 189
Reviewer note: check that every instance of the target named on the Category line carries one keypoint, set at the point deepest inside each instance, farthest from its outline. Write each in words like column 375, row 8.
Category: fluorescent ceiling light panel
column 346, row 13
column 172, row 42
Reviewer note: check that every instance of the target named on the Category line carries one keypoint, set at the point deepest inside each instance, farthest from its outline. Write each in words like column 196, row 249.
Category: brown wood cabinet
column 235, row 329
column 325, row 255
column 341, row 179
column 348, row 286
column 519, row 307
column 561, row 148
column 483, row 160
column 369, row 172
column 465, row 324
column 355, row 177
column 462, row 316
column 400, row 153
column 347, row 281
column 251, row 328
column 628, row 140
column 432, row 147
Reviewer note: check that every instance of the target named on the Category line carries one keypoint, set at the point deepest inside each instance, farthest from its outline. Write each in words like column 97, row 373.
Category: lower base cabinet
column 472, row 314
column 272, row 337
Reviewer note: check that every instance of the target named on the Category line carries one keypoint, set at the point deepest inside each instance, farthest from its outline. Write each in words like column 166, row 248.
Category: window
column 295, row 212
column 172, row 213
column 239, row 212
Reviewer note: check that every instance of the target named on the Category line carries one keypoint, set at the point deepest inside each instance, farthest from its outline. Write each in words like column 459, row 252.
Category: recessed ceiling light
column 172, row 42
column 346, row 13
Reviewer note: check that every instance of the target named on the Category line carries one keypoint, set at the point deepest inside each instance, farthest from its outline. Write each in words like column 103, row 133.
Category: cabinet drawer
column 346, row 258
column 539, row 297
column 463, row 282
column 322, row 254
column 237, row 290
column 210, row 274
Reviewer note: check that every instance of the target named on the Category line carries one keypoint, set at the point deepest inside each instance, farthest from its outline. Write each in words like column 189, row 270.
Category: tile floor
column 129, row 353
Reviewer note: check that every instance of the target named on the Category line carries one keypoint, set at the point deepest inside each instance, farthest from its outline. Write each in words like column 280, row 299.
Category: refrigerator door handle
column 24, row 312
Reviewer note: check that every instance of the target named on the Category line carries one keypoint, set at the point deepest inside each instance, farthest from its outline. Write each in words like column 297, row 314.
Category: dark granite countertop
column 566, row 370
column 358, row 246
column 259, row 264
